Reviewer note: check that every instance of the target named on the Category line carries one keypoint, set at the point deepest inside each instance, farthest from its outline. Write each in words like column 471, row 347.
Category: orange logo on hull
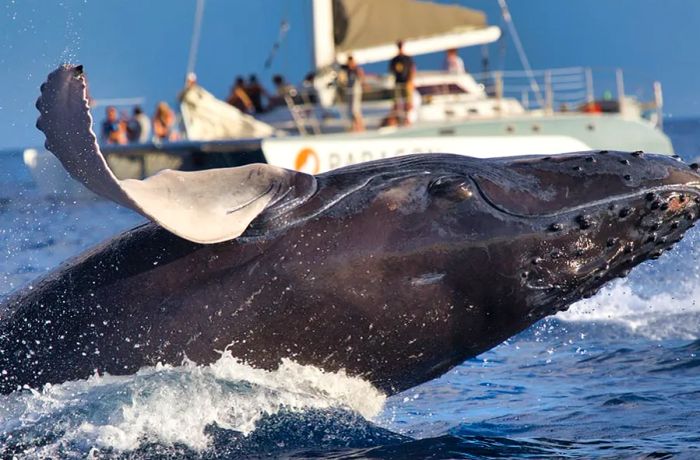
column 307, row 161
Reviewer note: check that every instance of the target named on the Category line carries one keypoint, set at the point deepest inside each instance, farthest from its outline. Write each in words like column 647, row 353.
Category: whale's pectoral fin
column 202, row 206
column 209, row 206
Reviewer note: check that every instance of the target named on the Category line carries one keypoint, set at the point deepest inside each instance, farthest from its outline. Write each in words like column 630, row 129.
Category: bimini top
column 369, row 29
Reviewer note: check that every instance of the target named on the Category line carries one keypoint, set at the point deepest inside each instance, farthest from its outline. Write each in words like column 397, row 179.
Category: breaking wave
column 181, row 407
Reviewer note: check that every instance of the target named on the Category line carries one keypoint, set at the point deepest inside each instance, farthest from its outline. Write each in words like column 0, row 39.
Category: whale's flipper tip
column 65, row 120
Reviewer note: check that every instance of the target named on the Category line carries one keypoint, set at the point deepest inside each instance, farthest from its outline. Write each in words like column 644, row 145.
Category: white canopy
column 369, row 29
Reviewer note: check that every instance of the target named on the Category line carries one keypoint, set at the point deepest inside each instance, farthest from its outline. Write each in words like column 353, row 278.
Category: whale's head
column 461, row 253
column 560, row 227
column 588, row 218
column 529, row 235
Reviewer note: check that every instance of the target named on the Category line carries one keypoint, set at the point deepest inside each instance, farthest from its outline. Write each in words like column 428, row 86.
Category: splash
column 171, row 406
column 72, row 18
column 664, row 315
column 660, row 300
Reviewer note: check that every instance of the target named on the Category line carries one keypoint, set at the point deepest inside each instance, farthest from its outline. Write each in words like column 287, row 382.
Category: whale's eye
column 455, row 188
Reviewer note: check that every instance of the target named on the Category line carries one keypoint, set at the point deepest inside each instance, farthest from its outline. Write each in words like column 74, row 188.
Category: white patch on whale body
column 427, row 278
column 174, row 404
column 404, row 196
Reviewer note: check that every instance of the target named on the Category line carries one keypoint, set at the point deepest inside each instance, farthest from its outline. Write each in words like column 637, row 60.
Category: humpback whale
column 394, row 270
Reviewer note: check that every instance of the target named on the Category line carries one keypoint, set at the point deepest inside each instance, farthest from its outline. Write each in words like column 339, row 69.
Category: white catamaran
column 498, row 113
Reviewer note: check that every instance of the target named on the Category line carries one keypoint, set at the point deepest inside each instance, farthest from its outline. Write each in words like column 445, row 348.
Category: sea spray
column 174, row 405
column 660, row 316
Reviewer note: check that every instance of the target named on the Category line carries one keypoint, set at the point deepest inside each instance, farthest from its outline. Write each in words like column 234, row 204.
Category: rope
column 521, row 52
column 282, row 34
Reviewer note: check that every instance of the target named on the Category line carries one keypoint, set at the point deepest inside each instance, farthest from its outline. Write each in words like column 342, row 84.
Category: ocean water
column 617, row 376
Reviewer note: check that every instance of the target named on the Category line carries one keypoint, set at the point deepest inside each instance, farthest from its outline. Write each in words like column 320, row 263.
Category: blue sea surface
column 618, row 376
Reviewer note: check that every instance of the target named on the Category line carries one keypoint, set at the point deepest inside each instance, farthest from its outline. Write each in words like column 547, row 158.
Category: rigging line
column 282, row 34
column 521, row 51
column 196, row 33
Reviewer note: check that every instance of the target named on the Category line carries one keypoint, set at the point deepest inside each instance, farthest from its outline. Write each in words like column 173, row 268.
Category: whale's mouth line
column 690, row 187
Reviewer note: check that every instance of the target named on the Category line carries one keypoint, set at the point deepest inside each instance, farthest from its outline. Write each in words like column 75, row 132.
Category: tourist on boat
column 403, row 69
column 282, row 90
column 354, row 76
column 113, row 129
column 239, row 97
column 453, row 63
column 164, row 123
column 390, row 120
column 281, row 86
column 138, row 128
column 308, row 89
column 256, row 92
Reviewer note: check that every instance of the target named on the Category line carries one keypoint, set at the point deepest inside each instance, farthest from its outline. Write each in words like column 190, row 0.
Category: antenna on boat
column 196, row 33
column 521, row 51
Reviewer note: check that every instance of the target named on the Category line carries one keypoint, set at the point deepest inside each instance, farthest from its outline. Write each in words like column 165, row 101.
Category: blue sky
column 139, row 47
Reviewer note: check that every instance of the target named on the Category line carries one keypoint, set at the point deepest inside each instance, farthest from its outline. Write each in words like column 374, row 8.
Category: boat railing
column 117, row 102
column 302, row 108
column 543, row 92
column 567, row 89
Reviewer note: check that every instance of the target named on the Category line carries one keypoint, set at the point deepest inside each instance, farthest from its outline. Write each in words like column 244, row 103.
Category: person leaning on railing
column 453, row 63
column 403, row 69
column 113, row 128
column 239, row 97
column 354, row 81
column 164, row 127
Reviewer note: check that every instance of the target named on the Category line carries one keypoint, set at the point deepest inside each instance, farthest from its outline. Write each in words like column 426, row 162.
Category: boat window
column 432, row 90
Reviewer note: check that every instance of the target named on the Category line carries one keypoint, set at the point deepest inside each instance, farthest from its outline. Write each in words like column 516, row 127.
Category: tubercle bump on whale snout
column 619, row 237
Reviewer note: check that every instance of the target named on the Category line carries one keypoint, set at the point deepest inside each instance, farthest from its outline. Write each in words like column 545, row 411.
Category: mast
column 196, row 33
column 324, row 45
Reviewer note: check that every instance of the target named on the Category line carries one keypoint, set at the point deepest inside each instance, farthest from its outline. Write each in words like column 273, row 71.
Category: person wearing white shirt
column 453, row 63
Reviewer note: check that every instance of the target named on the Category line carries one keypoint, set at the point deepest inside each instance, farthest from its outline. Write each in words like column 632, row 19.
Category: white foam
column 171, row 405
column 659, row 300
column 662, row 315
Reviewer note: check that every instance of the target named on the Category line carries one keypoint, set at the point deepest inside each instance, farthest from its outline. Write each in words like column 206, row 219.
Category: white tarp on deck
column 207, row 118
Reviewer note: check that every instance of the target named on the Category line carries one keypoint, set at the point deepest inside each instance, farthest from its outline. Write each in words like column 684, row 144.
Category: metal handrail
column 570, row 85
column 536, row 73
column 560, row 89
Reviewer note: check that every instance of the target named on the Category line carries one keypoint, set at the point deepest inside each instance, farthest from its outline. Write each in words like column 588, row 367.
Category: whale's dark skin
column 395, row 270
